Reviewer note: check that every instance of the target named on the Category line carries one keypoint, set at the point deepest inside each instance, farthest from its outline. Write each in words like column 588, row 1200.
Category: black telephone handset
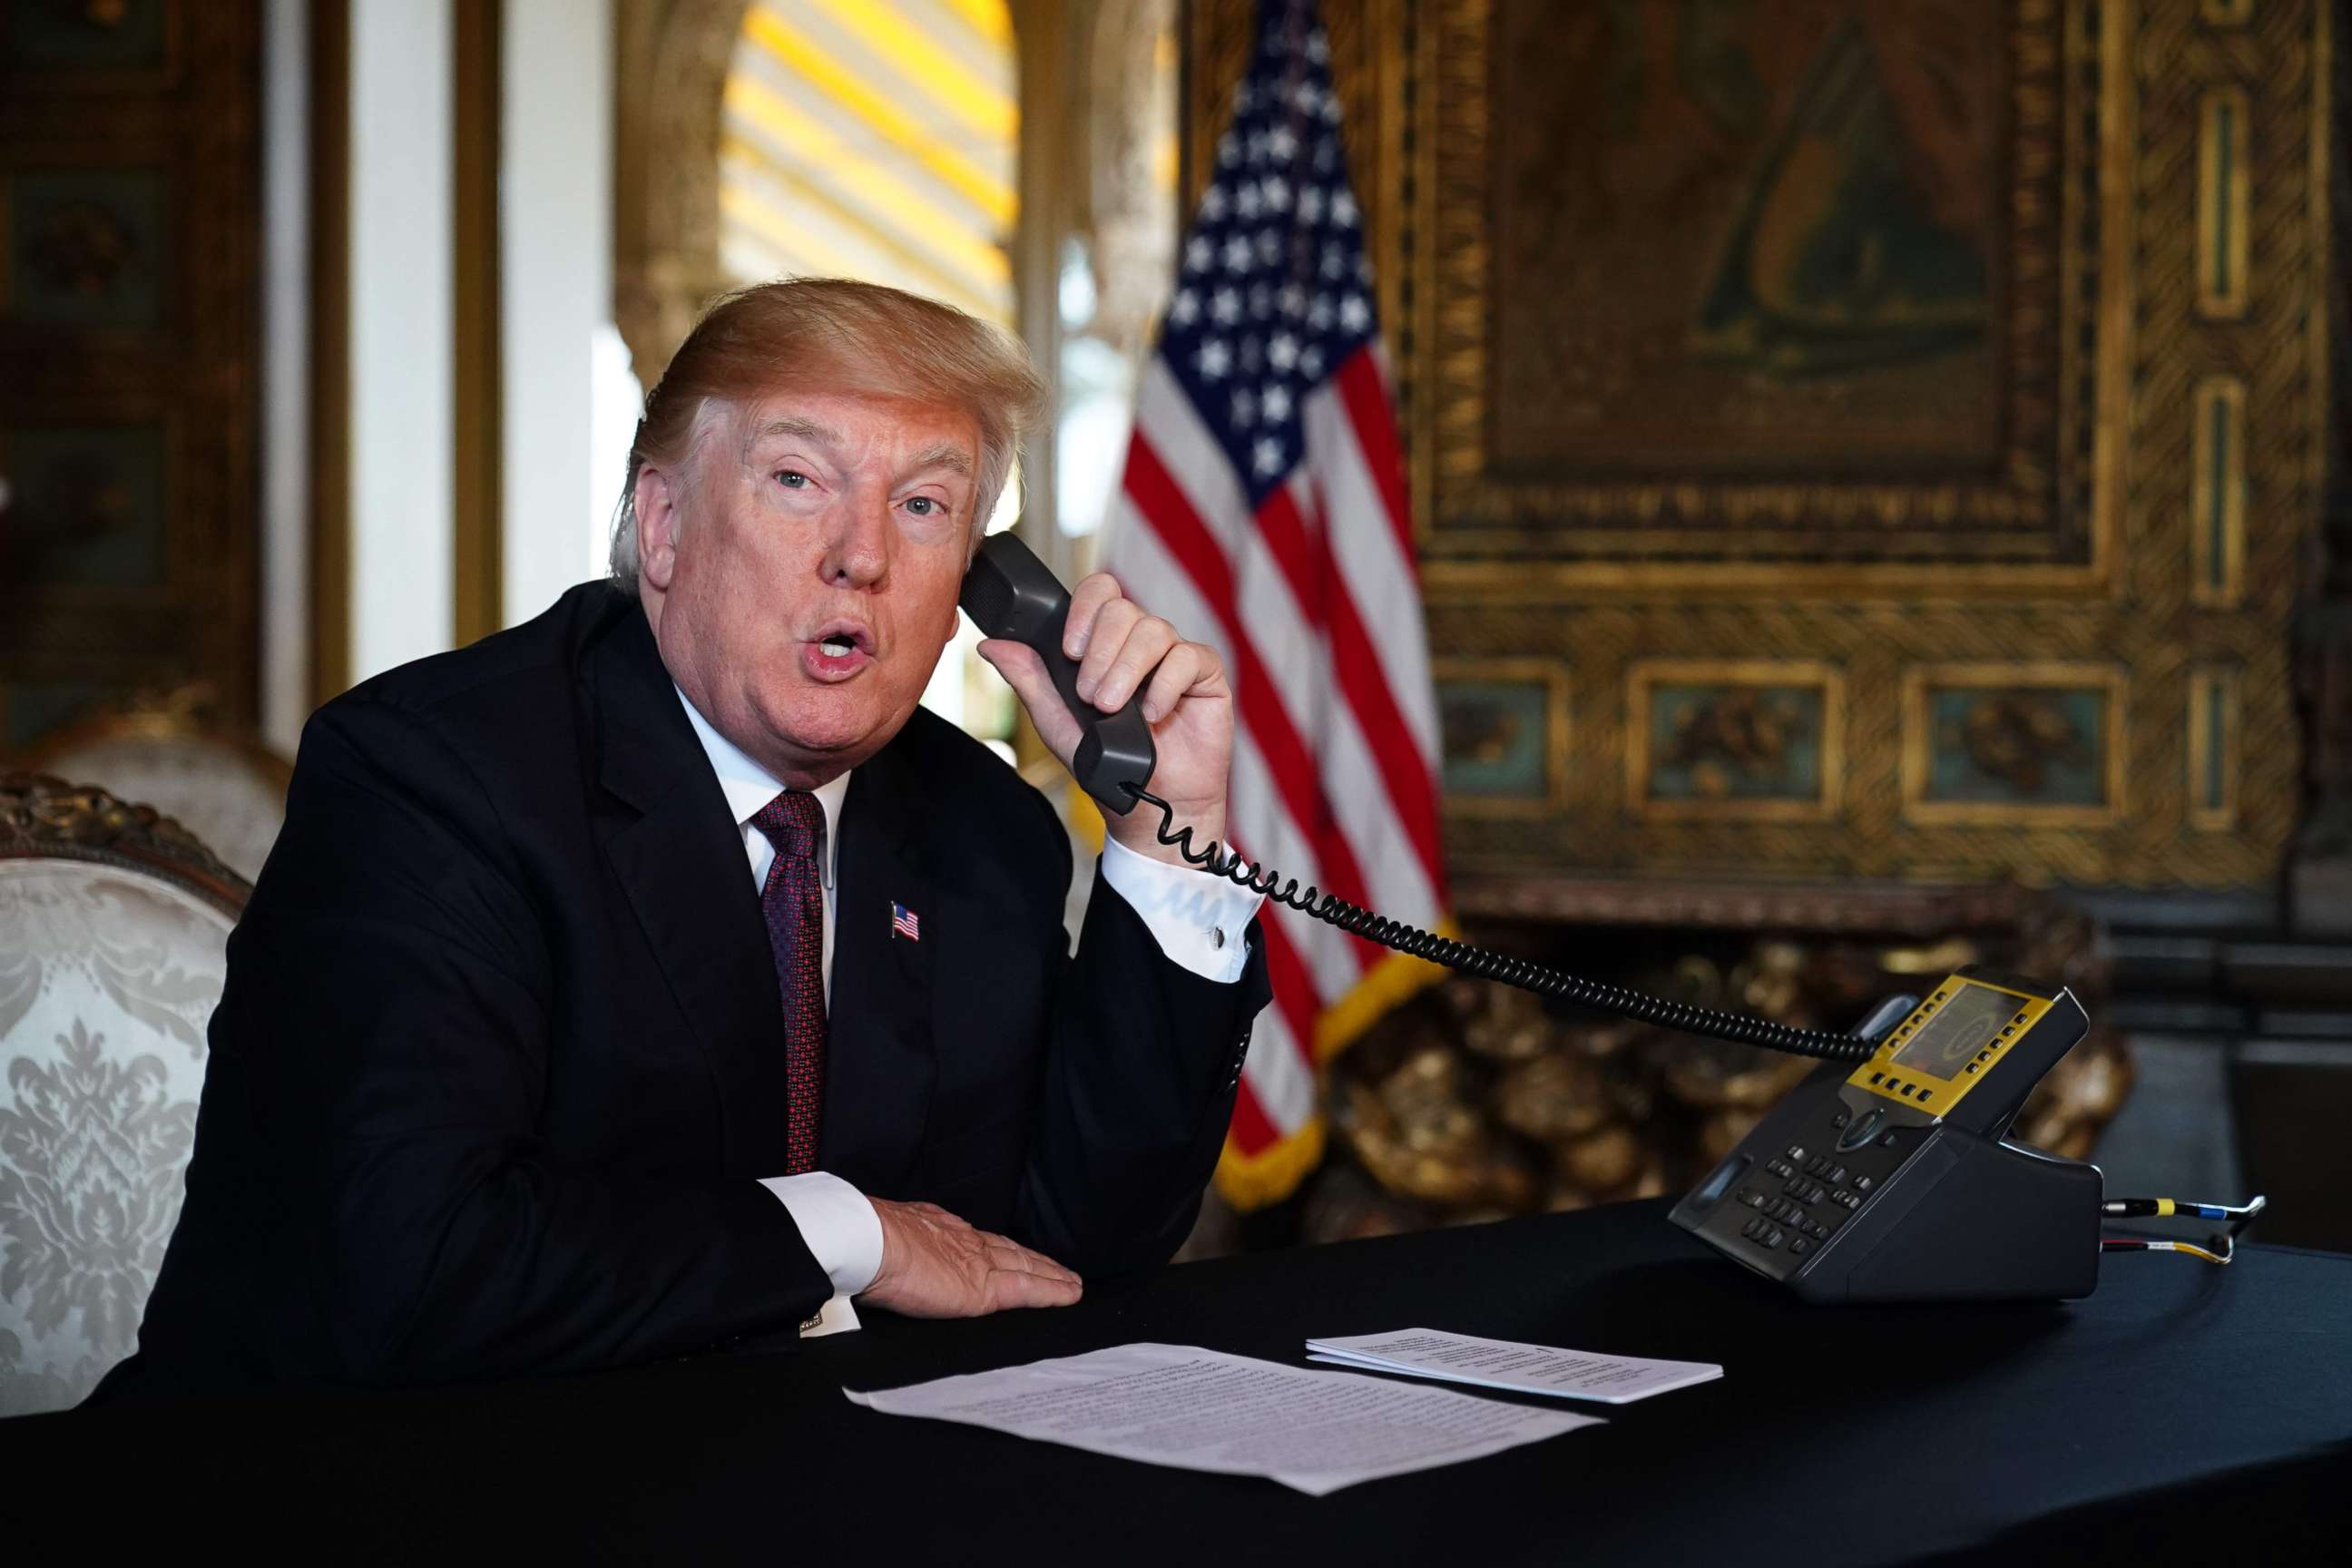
column 1832, row 1191
column 1008, row 592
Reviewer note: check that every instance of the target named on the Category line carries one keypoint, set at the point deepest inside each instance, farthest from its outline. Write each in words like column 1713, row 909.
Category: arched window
column 873, row 138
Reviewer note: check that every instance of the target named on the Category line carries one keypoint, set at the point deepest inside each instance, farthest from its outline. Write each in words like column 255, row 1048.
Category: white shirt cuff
column 1202, row 923
column 840, row 1226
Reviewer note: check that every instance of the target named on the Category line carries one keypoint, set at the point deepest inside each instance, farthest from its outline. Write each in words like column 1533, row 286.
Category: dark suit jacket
column 500, row 1058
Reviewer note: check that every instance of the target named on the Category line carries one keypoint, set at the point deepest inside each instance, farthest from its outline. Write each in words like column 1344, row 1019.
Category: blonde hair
column 833, row 334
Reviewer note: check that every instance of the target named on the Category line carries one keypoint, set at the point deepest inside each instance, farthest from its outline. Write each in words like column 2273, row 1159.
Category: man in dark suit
column 655, row 974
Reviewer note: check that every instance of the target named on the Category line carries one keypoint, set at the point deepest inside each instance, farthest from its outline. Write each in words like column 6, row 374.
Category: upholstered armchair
column 170, row 751
column 114, row 926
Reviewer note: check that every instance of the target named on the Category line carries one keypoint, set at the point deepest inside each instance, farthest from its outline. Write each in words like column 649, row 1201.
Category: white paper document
column 1203, row 1410
column 1504, row 1364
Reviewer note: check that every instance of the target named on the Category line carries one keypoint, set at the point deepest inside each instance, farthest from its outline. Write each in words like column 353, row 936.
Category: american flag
column 903, row 923
column 1264, row 510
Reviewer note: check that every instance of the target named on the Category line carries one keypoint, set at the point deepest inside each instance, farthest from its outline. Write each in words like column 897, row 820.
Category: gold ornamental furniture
column 1478, row 1102
column 172, row 752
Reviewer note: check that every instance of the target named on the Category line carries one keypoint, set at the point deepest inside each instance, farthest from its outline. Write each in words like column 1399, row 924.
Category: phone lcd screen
column 1961, row 1028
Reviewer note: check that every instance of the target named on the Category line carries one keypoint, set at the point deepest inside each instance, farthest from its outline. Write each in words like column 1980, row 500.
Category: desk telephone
column 1885, row 1177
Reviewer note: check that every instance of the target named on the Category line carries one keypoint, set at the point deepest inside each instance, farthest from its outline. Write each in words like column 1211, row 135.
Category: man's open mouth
column 839, row 650
column 841, row 638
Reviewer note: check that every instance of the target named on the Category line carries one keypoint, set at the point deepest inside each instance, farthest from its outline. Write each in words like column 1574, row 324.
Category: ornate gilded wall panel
column 1721, row 321
column 2026, row 745
column 1760, row 740
column 2213, row 748
column 129, row 230
column 1876, row 340
column 1505, row 736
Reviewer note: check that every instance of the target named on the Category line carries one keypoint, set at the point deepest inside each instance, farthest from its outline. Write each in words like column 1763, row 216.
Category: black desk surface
column 2182, row 1411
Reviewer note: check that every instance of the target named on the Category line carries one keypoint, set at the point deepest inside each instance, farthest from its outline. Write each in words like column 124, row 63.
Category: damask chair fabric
column 110, row 963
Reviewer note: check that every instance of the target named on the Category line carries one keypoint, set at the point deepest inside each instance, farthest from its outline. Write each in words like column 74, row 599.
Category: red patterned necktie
column 794, row 900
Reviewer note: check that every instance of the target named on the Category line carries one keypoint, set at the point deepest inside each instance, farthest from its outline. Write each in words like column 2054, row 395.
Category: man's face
column 802, row 596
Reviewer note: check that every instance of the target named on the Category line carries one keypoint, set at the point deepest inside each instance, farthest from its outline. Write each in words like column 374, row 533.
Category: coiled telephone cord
column 1486, row 964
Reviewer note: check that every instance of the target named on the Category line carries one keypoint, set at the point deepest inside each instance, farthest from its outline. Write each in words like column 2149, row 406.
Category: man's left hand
column 1121, row 650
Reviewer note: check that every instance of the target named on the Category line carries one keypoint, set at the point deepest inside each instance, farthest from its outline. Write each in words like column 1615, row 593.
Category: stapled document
column 1507, row 1364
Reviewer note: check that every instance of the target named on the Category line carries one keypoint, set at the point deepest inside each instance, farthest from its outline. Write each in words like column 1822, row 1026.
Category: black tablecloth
column 2183, row 1410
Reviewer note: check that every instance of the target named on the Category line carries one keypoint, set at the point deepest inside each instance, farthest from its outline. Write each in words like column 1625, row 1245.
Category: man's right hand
column 936, row 1266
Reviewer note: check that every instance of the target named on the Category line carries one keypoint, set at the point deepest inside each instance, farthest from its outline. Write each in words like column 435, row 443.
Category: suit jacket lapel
column 880, row 1062
column 681, row 864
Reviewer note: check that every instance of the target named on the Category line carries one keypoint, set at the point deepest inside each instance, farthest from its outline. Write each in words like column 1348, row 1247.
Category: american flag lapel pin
column 904, row 923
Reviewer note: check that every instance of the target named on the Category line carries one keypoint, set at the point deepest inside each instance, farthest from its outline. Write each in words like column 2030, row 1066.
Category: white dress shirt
column 1197, row 920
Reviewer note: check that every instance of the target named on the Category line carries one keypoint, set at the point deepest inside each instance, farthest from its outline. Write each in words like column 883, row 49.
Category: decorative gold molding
column 330, row 348
column 478, row 552
column 2217, row 564
column 2224, row 144
column 2213, row 748
column 1918, row 742
column 1559, row 685
column 671, row 58
column 42, row 818
column 2226, row 12
column 1644, row 676
column 2319, row 352
column 2049, row 513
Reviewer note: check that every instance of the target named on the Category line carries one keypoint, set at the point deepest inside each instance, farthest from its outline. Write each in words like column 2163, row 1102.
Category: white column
column 402, row 330
column 569, row 403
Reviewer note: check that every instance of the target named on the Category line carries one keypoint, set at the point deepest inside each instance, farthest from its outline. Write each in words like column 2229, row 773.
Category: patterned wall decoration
column 2222, row 118
column 1754, row 739
column 2213, row 748
column 124, row 38
column 1937, row 356
column 1723, row 327
column 88, row 505
column 2023, row 744
column 130, row 231
column 85, row 246
column 1504, row 734
column 2218, row 504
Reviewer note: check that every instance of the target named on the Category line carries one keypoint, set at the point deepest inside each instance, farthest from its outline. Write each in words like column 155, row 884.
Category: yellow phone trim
column 1934, row 1095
